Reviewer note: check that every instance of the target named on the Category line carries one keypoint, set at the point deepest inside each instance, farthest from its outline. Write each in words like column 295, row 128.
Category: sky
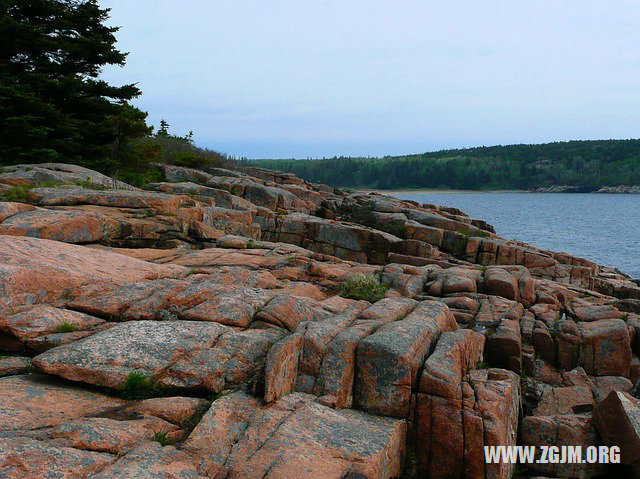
column 319, row 78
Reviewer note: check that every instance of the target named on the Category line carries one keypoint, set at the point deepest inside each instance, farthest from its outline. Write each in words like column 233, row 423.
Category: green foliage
column 137, row 386
column 17, row 194
column 583, row 164
column 483, row 365
column 140, row 178
column 163, row 438
column 55, row 107
column 137, row 158
column 65, row 327
column 625, row 317
column 364, row 286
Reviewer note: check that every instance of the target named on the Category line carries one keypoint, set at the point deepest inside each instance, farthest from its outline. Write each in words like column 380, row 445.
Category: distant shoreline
column 428, row 190
column 453, row 191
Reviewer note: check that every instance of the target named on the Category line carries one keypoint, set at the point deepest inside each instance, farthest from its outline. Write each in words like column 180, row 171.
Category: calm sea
column 601, row 227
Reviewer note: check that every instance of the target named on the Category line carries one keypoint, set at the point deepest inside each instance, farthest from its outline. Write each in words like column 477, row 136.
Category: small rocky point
column 195, row 329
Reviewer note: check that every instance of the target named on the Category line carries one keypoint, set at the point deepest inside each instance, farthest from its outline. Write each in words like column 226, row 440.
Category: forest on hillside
column 584, row 164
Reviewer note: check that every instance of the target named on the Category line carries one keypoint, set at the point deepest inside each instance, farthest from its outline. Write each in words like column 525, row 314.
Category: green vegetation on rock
column 364, row 286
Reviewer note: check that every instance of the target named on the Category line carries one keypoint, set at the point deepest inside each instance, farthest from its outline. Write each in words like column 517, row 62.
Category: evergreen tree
column 164, row 128
column 54, row 106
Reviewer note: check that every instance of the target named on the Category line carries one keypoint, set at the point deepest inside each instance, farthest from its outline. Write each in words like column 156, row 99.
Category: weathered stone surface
column 288, row 311
column 238, row 437
column 243, row 296
column 151, row 461
column 144, row 347
column 12, row 365
column 605, row 347
column 38, row 270
column 317, row 338
column 237, row 358
column 452, row 281
column 281, row 367
column 560, row 430
column 8, row 209
column 175, row 409
column 388, row 361
column 455, row 354
column 565, row 400
column 108, row 435
column 66, row 226
column 210, row 297
column 595, row 313
column 389, row 309
column 603, row 385
column 32, row 402
column 499, row 282
column 334, row 383
column 617, row 418
column 32, row 175
column 23, row 457
column 504, row 346
column 112, row 198
column 451, row 431
column 44, row 319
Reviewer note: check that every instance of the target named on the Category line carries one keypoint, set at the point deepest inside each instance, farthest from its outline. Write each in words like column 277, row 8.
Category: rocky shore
column 619, row 189
column 199, row 328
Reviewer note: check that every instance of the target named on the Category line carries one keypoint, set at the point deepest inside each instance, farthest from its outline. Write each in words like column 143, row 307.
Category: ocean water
column 601, row 227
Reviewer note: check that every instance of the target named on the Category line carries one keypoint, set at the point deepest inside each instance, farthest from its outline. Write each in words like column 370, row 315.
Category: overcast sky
column 320, row 78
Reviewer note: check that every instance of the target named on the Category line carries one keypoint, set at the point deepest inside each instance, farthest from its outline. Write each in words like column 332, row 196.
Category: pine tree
column 54, row 105
column 164, row 128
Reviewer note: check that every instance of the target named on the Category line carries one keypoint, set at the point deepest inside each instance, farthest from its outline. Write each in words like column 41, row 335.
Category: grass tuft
column 137, row 386
column 163, row 438
column 364, row 286
column 66, row 327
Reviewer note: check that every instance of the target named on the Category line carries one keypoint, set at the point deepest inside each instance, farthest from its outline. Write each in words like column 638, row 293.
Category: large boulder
column 182, row 354
column 388, row 361
column 239, row 437
column 617, row 418
column 38, row 270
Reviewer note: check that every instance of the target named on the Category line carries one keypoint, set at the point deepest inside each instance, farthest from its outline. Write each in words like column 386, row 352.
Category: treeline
column 584, row 164
column 54, row 107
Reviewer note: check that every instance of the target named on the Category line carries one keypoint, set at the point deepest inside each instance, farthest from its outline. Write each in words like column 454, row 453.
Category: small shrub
column 483, row 365
column 163, row 438
column 137, row 386
column 625, row 317
column 140, row 179
column 65, row 327
column 364, row 286
column 190, row 272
